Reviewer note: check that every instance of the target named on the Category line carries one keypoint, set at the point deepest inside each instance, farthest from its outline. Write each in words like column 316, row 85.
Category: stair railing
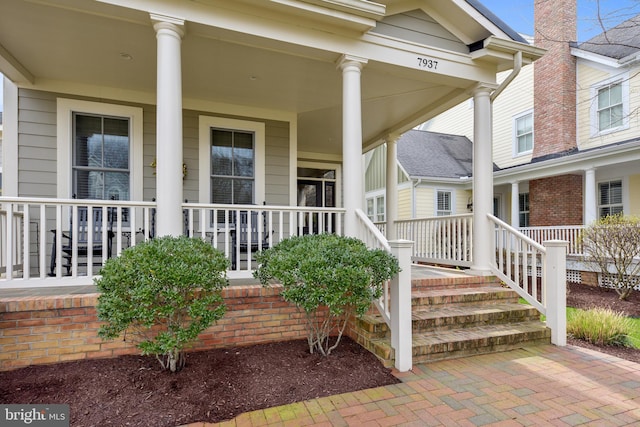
column 536, row 272
column 395, row 303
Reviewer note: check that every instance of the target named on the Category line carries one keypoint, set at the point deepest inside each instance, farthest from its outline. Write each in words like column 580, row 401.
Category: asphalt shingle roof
column 425, row 154
column 618, row 42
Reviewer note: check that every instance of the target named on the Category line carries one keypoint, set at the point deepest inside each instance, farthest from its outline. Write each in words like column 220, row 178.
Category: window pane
column 603, row 98
column 221, row 191
column 615, row 192
column 616, row 116
column 242, row 191
column 116, row 186
column 88, row 140
column 88, row 184
column 221, row 152
column 329, row 194
column 604, row 119
column 243, row 154
column 370, row 209
column 615, row 94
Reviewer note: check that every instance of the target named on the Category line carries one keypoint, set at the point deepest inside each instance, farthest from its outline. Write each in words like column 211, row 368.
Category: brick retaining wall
column 41, row 330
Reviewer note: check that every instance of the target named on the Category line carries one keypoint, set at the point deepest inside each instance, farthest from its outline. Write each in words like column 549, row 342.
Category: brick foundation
column 42, row 330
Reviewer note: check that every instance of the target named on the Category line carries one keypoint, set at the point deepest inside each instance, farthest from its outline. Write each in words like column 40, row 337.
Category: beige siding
column 418, row 27
column 37, row 150
column 589, row 77
column 404, row 203
column 425, row 202
column 634, row 195
column 36, row 144
column 462, row 198
column 375, row 175
column 517, row 98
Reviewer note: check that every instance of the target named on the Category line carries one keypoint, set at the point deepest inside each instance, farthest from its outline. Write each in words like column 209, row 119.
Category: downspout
column 517, row 66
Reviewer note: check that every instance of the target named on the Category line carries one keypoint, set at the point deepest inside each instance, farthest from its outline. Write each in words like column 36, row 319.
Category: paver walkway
column 539, row 386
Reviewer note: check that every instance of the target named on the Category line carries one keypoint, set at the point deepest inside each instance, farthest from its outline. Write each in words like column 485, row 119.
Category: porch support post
column 392, row 187
column 351, row 67
column 169, row 33
column 400, row 309
column 482, row 183
column 590, row 205
column 515, row 205
column 556, row 290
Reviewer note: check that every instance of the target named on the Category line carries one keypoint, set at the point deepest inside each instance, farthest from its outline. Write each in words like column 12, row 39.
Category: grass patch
column 601, row 326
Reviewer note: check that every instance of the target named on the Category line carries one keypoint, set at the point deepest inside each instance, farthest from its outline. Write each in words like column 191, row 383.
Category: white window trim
column 514, row 133
column 65, row 109
column 623, row 79
column 204, row 152
column 452, row 201
column 625, row 193
column 375, row 195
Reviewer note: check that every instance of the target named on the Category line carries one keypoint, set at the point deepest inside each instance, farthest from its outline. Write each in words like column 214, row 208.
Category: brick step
column 480, row 295
column 440, row 345
column 453, row 281
column 461, row 316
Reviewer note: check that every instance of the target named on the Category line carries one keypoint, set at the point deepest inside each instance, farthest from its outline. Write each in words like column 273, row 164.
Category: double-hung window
column 610, row 106
column 231, row 161
column 99, row 150
column 101, row 147
column 523, row 133
column 232, row 166
column 376, row 208
column 443, row 203
column 610, row 198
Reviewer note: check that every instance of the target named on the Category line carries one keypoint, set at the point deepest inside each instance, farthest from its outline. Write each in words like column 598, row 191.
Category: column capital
column 347, row 60
column 392, row 137
column 483, row 88
column 163, row 22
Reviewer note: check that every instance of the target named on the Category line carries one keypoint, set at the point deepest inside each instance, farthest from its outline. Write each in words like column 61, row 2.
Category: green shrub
column 163, row 294
column 599, row 326
column 612, row 247
column 329, row 278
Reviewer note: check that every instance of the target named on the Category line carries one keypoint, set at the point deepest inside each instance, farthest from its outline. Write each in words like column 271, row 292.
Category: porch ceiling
column 97, row 49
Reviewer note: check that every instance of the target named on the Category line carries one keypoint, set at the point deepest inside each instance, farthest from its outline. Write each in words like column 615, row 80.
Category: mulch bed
column 215, row 385
column 220, row 384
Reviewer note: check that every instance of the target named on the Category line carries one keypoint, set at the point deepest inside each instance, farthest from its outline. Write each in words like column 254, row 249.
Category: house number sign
column 428, row 63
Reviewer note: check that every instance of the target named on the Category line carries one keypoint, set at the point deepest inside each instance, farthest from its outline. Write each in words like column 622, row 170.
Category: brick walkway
column 539, row 386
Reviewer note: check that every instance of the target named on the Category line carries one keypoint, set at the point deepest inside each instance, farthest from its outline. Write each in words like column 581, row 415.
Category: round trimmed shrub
column 162, row 294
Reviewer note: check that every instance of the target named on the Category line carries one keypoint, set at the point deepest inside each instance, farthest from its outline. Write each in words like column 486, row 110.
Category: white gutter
column 517, row 66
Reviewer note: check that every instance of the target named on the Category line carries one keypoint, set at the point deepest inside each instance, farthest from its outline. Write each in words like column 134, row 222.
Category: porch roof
column 259, row 58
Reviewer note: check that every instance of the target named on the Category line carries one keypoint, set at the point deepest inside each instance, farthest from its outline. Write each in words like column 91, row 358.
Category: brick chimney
column 555, row 78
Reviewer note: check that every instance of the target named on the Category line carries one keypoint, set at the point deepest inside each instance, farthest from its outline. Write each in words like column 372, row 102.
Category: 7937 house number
column 431, row 64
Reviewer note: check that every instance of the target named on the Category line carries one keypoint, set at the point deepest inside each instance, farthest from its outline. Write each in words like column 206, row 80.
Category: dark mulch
column 220, row 384
column 215, row 385
column 586, row 297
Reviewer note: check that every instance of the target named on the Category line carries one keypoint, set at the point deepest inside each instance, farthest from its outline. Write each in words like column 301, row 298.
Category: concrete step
column 449, row 344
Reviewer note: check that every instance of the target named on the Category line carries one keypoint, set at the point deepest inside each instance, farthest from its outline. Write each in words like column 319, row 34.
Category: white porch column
column 482, row 183
column 590, row 204
column 351, row 67
column 169, row 33
column 392, row 186
column 515, row 205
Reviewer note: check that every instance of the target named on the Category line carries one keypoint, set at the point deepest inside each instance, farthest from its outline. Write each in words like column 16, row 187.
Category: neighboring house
column 434, row 172
column 566, row 131
column 134, row 106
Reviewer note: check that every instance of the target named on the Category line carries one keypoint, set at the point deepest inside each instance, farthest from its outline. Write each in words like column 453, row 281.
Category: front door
column 317, row 188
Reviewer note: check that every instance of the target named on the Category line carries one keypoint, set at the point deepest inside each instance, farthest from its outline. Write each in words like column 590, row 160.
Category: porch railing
column 536, row 272
column 39, row 236
column 439, row 240
column 569, row 233
column 395, row 303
